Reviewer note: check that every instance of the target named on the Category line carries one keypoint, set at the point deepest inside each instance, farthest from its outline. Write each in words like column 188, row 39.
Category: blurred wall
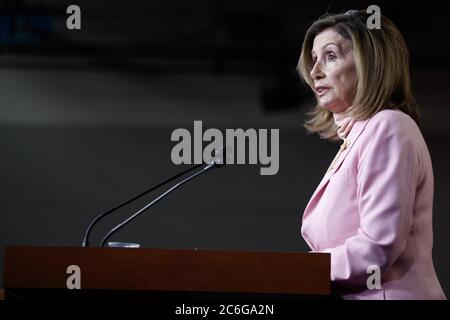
column 82, row 132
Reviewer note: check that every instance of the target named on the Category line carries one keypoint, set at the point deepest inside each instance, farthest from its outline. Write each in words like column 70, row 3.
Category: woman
column 374, row 205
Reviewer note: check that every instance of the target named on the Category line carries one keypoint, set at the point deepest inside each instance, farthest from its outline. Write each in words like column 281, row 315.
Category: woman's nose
column 316, row 72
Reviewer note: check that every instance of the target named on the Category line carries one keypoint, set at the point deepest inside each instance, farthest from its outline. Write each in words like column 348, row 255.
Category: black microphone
column 217, row 161
column 111, row 210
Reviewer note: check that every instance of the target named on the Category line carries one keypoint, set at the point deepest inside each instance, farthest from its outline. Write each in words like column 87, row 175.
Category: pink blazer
column 375, row 208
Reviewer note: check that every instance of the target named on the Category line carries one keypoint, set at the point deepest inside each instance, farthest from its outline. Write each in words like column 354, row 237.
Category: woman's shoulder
column 393, row 121
column 394, row 135
column 391, row 130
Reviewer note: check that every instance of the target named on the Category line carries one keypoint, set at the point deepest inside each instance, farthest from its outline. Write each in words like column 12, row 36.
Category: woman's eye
column 331, row 57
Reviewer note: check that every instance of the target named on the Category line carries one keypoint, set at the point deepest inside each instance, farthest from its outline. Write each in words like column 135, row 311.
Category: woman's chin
column 329, row 106
column 332, row 107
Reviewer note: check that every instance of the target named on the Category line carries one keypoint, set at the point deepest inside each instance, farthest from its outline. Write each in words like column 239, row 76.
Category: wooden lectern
column 144, row 273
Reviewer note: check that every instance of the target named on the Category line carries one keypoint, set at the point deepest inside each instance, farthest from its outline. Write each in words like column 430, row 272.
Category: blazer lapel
column 353, row 135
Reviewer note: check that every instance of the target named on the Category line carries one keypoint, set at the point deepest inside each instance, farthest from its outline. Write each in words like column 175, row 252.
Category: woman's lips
column 322, row 91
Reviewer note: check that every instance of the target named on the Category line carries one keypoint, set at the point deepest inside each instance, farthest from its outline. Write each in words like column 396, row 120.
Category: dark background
column 86, row 117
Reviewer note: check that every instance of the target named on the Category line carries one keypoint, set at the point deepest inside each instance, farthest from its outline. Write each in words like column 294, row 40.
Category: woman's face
column 333, row 72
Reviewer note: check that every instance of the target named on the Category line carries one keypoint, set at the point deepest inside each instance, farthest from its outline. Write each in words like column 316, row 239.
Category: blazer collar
column 352, row 137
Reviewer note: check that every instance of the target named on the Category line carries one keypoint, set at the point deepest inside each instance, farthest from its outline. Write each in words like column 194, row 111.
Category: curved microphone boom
column 216, row 162
column 111, row 210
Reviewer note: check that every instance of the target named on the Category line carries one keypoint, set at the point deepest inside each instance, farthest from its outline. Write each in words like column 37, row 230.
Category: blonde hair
column 382, row 68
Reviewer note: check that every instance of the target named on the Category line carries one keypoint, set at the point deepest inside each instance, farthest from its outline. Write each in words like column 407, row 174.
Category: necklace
column 344, row 146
